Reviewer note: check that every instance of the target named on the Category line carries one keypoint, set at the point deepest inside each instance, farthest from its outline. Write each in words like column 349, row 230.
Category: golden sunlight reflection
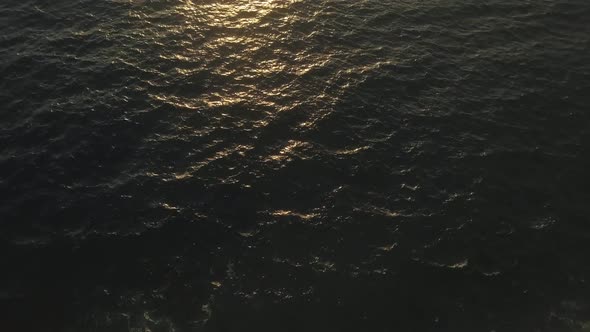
column 239, row 46
column 231, row 14
column 244, row 31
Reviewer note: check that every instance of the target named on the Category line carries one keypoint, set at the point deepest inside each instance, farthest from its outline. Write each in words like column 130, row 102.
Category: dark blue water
column 282, row 165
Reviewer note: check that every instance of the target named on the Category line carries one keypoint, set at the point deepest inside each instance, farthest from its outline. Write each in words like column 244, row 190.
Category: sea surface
column 294, row 165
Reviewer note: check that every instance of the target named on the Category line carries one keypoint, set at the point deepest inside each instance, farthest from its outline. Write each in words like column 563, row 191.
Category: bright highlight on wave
column 234, row 49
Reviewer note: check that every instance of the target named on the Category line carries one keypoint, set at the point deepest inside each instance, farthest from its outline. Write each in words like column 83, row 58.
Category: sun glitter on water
column 244, row 34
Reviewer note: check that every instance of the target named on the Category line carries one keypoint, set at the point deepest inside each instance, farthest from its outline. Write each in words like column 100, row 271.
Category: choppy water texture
column 295, row 165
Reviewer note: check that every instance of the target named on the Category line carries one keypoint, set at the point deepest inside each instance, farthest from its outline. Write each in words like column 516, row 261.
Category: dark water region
column 326, row 165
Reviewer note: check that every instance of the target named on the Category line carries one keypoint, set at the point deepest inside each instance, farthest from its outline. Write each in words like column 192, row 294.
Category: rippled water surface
column 282, row 165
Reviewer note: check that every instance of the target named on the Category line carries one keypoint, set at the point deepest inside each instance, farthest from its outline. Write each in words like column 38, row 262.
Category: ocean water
column 283, row 165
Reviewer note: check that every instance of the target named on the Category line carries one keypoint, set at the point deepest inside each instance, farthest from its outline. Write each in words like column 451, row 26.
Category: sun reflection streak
column 231, row 14
column 249, row 56
column 232, row 41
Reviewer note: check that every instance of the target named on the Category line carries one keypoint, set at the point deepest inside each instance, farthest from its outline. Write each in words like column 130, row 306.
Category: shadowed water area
column 282, row 165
